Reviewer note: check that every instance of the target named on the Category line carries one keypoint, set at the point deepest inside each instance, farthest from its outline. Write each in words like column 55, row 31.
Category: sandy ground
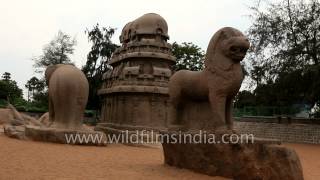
column 310, row 159
column 37, row 160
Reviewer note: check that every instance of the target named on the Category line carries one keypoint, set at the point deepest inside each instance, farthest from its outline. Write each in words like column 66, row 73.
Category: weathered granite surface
column 68, row 95
column 202, row 101
column 66, row 136
column 135, row 92
column 261, row 160
column 215, row 86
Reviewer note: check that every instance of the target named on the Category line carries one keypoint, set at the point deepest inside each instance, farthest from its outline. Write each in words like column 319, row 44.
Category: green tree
column 97, row 60
column 244, row 98
column 40, row 101
column 35, row 86
column 189, row 56
column 56, row 52
column 9, row 89
column 6, row 76
column 285, row 52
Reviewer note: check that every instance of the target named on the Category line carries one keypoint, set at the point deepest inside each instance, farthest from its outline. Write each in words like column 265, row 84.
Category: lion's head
column 228, row 42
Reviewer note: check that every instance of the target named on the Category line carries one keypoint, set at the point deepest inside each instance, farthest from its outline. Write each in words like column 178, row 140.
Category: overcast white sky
column 26, row 26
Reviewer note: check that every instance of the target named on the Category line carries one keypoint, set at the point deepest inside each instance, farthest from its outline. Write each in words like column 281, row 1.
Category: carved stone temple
column 135, row 93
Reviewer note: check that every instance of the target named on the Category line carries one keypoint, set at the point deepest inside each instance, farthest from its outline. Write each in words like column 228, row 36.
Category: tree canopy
column 34, row 86
column 56, row 52
column 9, row 89
column 6, row 76
column 97, row 60
column 285, row 53
column 189, row 56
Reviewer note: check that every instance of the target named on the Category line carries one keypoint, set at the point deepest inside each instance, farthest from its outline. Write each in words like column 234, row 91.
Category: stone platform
column 261, row 160
column 62, row 136
column 66, row 136
column 130, row 135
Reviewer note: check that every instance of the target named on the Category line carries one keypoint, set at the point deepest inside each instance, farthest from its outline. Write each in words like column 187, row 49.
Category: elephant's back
column 69, row 79
column 69, row 74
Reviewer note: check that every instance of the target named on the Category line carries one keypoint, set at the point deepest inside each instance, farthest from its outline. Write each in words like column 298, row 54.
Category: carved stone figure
column 10, row 116
column 14, row 122
column 218, row 83
column 203, row 101
column 68, row 96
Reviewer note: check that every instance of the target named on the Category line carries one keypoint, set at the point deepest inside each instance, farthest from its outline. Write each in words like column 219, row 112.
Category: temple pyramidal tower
column 135, row 93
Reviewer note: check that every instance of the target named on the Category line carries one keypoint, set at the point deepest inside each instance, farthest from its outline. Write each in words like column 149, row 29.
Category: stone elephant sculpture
column 68, row 96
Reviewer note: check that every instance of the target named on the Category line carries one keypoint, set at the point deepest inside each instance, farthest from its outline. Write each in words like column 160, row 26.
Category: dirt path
column 310, row 159
column 36, row 160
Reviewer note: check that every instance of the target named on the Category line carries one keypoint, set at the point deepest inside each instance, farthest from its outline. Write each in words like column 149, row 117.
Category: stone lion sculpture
column 219, row 82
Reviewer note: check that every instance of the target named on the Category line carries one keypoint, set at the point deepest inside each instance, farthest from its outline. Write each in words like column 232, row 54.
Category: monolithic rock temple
column 135, row 92
column 136, row 97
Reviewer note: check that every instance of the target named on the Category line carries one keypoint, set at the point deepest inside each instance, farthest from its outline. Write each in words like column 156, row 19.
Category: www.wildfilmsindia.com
column 155, row 137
